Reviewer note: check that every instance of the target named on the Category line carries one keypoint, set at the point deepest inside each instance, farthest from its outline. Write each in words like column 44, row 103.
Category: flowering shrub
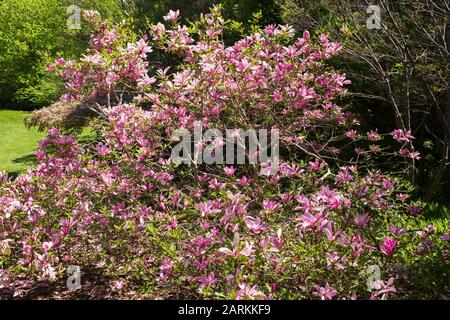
column 310, row 230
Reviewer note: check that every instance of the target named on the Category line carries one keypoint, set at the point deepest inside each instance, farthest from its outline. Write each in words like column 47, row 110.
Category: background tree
column 240, row 10
column 31, row 32
column 400, row 72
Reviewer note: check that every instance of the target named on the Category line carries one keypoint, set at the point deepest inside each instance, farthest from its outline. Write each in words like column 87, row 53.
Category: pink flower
column 102, row 149
column 334, row 259
column 207, row 208
column 119, row 285
column 401, row 135
column 402, row 196
column 328, row 230
column 388, row 246
column 396, row 230
column 111, row 78
column 306, row 35
column 270, row 29
column 254, row 224
column 229, row 171
column 309, row 221
column 173, row 223
column 373, row 136
column 383, row 289
column 144, row 48
column 247, row 292
column 172, row 16
column 214, row 184
column 47, row 245
column 248, row 250
column 414, row 210
column 5, row 279
column 324, row 293
column 387, row 184
column 352, row 134
column 415, row 155
column 207, row 281
column 277, row 241
column 227, row 251
column 271, row 205
column 276, row 96
column 94, row 59
column 108, row 178
column 40, row 154
column 166, row 269
column 323, row 38
column 362, row 219
column 446, row 236
column 409, row 154
column 91, row 15
column 60, row 62
column 316, row 165
column 157, row 31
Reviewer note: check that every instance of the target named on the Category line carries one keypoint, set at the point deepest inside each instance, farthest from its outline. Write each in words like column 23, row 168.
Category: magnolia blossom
column 254, row 224
column 362, row 220
column 207, row 281
column 119, row 285
column 414, row 210
column 401, row 135
column 396, row 231
column 248, row 292
column 91, row 15
column 388, row 246
column 271, row 205
column 373, row 136
column 383, row 289
column 5, row 279
column 352, row 134
column 407, row 153
column 446, row 236
column 166, row 269
column 172, row 15
column 229, row 171
column 324, row 293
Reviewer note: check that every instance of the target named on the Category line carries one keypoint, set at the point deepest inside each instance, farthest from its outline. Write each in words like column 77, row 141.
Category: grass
column 18, row 143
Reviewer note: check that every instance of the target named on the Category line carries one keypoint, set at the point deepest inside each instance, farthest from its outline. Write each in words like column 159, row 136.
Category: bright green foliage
column 31, row 31
column 17, row 143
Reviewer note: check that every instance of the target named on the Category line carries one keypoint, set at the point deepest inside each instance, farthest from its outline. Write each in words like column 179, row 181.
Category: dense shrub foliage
column 311, row 230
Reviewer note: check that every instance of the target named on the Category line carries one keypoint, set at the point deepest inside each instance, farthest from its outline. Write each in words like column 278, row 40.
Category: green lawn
column 17, row 143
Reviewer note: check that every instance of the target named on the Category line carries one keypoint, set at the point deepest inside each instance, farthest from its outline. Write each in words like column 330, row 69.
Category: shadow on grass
column 88, row 138
column 28, row 160
column 14, row 174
